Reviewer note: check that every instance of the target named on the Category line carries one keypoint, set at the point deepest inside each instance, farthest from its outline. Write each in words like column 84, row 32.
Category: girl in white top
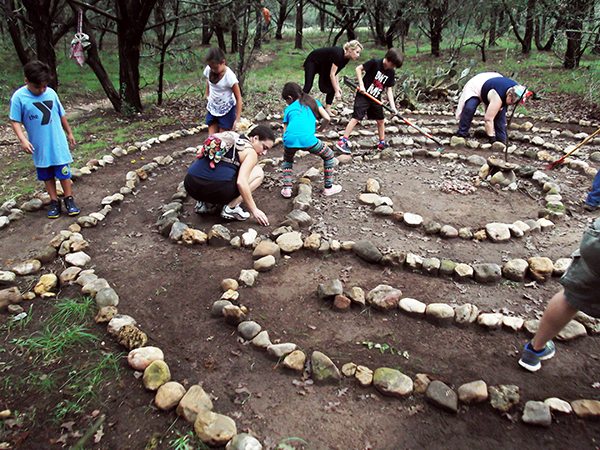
column 223, row 93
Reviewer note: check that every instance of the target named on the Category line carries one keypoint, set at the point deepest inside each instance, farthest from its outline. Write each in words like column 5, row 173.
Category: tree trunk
column 492, row 29
column 528, row 37
column 283, row 13
column 207, row 31
column 380, row 35
column 299, row 24
column 8, row 11
column 258, row 21
column 39, row 14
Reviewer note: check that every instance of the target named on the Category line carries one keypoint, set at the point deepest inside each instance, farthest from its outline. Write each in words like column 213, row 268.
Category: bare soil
column 169, row 290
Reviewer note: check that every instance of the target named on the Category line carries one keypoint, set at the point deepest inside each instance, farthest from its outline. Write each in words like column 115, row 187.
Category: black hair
column 215, row 55
column 395, row 57
column 37, row 72
column 263, row 132
column 295, row 92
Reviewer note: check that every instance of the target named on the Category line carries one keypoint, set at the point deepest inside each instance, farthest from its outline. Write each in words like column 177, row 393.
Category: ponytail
column 295, row 92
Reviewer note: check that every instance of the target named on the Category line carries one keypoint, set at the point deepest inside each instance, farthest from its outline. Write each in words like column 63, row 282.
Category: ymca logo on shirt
column 377, row 85
column 45, row 108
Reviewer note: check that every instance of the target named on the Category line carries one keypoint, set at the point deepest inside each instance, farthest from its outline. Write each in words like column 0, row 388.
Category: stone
column 490, row 320
column 140, row 358
column 156, row 374
column 265, row 248
column 78, row 259
column 537, row 413
column 586, row 409
column 473, row 392
column 432, row 227
column 300, row 217
column 119, row 321
column 591, row 324
column 295, row 361
column 280, row 350
column 421, row 383
column 341, row 302
column 168, row 395
column 106, row 297
column 265, row 263
column 515, row 269
column 262, row 340
column 357, row 295
column 248, row 277
column 540, row 268
column 514, row 323
column 447, row 267
column 93, row 287
column 349, row 369
column 330, row 289
column 219, row 236
column 364, row 375
column 229, row 284
column 384, row 297
column 439, row 311
column 244, row 441
column 372, row 186
column 412, row 306
column 233, row 314
column 290, row 242
column 323, row 369
column 560, row 266
column 412, row 220
column 105, row 314
column 7, row 277
column 431, row 266
column 392, row 382
column 368, row 251
column 27, row 267
column 47, row 283
column 497, row 232
column 194, row 401
column 191, row 236
column 413, row 261
column 131, row 337
column 572, row 330
column 504, row 397
column 248, row 329
column 558, row 405
column 439, row 394
column 368, row 198
column 466, row 313
column 218, row 306
column 214, row 429
column 448, row 232
column 463, row 271
column 10, row 296
column 487, row 272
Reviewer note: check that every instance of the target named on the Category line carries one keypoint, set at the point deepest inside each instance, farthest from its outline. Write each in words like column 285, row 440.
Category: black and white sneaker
column 236, row 213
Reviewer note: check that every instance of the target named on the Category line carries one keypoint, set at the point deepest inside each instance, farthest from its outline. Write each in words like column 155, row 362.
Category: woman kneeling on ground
column 229, row 179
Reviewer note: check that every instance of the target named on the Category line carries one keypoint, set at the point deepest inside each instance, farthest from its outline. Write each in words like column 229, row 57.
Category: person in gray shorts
column 581, row 292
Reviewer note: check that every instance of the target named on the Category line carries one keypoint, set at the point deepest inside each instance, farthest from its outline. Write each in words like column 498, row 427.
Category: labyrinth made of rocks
column 195, row 405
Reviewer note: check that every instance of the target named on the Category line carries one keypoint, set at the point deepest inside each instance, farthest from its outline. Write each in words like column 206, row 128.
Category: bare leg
column 213, row 128
column 51, row 188
column 557, row 315
column 66, row 185
column 381, row 130
column 328, row 109
column 256, row 177
column 350, row 127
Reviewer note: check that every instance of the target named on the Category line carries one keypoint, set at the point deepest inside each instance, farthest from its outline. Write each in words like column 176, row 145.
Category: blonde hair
column 352, row 45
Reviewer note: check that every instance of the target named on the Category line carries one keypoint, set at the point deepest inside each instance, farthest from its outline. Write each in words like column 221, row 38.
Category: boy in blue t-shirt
column 37, row 107
column 378, row 76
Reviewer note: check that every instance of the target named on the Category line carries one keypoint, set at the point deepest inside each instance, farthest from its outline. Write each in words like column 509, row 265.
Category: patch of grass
column 52, row 358
column 187, row 441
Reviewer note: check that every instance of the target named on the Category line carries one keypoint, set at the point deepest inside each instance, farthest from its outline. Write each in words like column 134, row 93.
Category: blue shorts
column 47, row 173
column 225, row 122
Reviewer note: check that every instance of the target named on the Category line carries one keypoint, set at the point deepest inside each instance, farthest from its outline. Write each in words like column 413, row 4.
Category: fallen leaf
column 98, row 435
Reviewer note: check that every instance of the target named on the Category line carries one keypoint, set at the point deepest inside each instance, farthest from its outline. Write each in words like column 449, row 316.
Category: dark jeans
column 467, row 117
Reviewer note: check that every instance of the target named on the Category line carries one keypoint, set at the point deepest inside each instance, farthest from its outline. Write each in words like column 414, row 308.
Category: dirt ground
column 169, row 289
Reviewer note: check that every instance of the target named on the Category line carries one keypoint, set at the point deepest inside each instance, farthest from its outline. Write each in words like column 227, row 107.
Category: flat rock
column 473, row 392
column 440, row 395
column 392, row 382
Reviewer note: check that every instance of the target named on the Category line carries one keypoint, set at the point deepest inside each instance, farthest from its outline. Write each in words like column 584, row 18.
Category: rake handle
column 379, row 102
column 558, row 161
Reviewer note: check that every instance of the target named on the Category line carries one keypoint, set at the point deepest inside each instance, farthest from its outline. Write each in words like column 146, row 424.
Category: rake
column 559, row 161
column 408, row 122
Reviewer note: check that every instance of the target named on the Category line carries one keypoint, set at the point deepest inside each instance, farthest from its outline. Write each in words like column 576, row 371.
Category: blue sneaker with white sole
column 531, row 360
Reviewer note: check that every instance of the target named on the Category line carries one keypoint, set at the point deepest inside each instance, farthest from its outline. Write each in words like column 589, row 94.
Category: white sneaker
column 236, row 213
column 334, row 189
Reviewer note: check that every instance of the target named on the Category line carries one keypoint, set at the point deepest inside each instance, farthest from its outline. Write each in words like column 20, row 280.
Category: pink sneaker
column 334, row 189
column 286, row 192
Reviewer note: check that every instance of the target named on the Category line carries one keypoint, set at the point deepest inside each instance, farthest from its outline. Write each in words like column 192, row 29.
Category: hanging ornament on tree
column 79, row 43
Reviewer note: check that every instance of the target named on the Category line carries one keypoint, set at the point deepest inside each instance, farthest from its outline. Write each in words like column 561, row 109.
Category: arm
column 490, row 113
column 284, row 127
column 325, row 119
column 25, row 144
column 335, row 81
column 67, row 128
column 359, row 73
column 390, row 96
column 207, row 89
column 248, row 160
column 238, row 104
